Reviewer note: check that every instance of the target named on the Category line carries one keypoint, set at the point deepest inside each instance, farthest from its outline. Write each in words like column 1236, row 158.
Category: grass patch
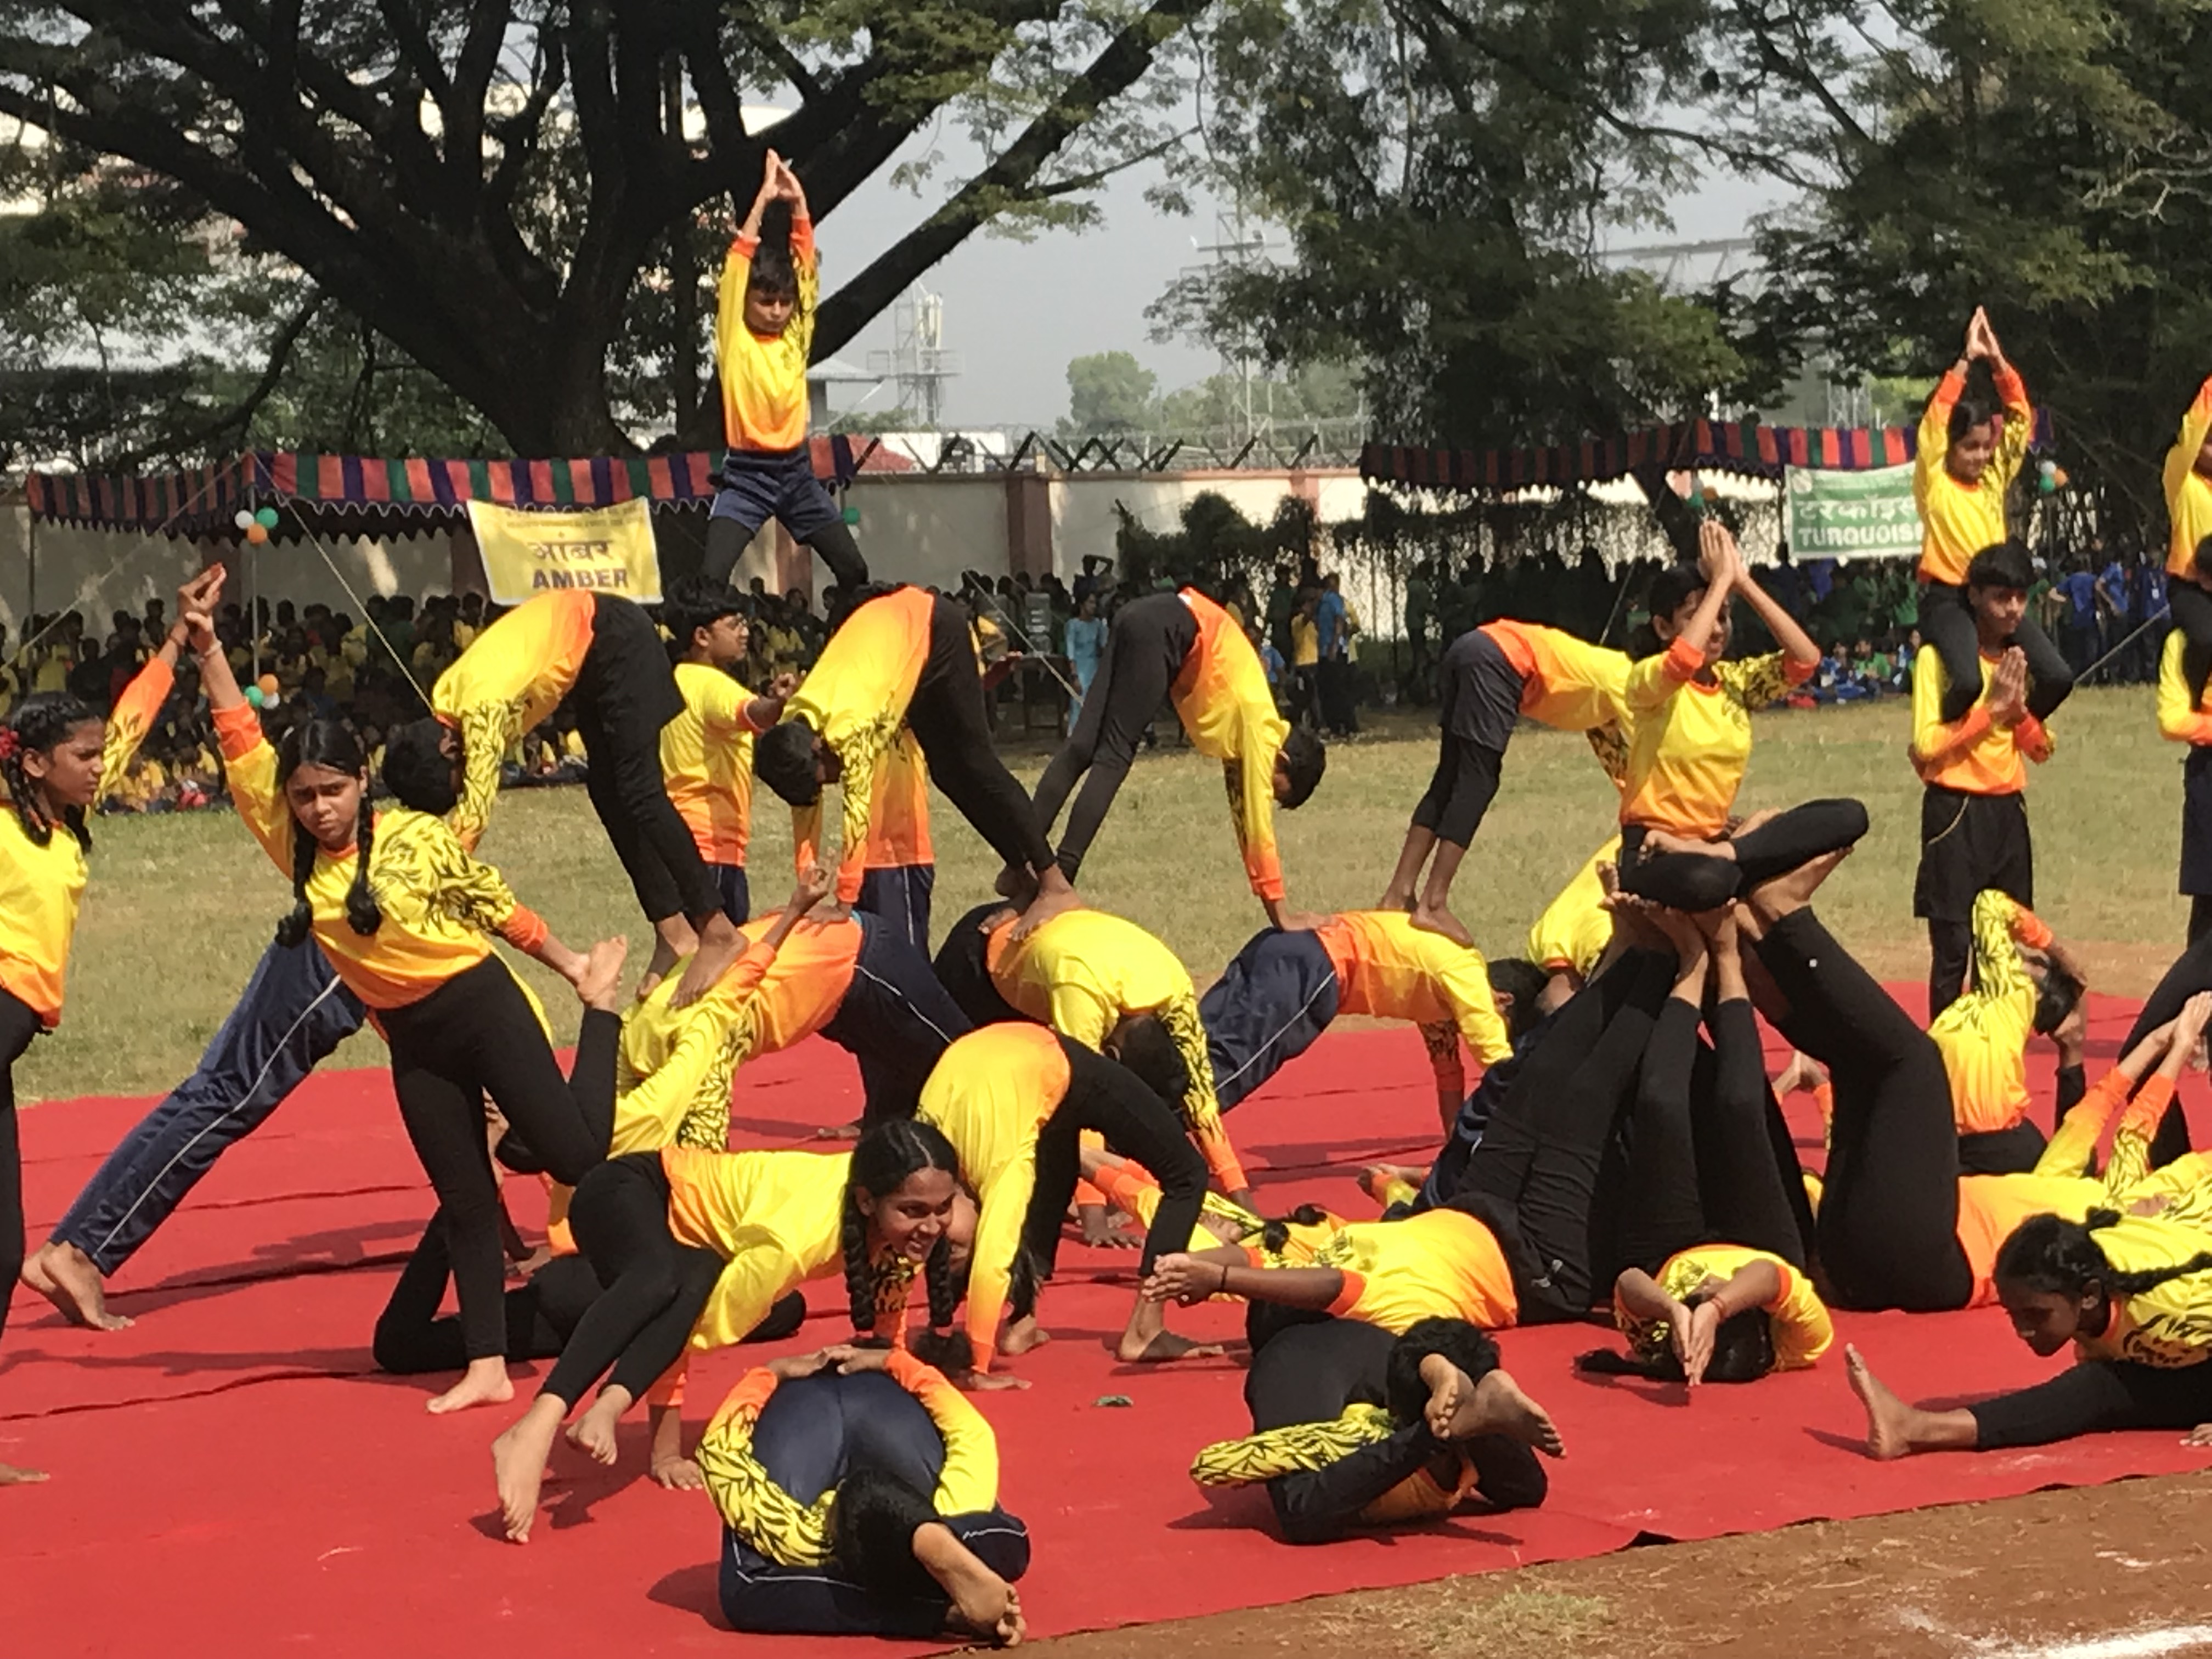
column 179, row 907
column 1444, row 1621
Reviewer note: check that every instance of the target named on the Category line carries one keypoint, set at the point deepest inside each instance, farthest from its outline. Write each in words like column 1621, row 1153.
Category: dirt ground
column 2004, row 1580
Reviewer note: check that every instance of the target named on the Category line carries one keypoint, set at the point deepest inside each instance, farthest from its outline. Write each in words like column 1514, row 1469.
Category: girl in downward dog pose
column 58, row 759
column 406, row 917
column 699, row 1246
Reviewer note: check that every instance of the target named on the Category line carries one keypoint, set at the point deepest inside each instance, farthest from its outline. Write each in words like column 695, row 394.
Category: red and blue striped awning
column 1746, row 447
column 205, row 501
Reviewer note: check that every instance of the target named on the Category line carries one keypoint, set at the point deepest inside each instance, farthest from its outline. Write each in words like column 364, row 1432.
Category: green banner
column 1851, row 515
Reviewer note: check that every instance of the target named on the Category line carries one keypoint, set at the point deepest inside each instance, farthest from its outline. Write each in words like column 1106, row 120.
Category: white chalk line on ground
column 2135, row 1644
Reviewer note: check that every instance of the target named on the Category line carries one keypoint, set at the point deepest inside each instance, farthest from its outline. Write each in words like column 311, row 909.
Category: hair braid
column 946, row 1286
column 364, row 914
column 292, row 928
column 860, row 1271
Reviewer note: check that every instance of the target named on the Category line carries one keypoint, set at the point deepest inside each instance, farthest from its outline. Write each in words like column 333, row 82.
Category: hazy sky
column 1017, row 311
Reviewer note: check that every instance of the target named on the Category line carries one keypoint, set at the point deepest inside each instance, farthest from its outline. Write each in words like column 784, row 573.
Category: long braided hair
column 2057, row 1257
column 333, row 744
column 883, row 1160
column 42, row 721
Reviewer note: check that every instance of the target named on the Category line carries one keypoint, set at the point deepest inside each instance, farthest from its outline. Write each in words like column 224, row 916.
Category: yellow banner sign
column 526, row 554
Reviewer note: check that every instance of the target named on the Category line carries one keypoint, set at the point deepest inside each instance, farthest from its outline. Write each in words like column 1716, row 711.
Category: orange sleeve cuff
column 668, row 1389
column 238, row 728
column 1684, row 662
column 2012, row 391
column 744, row 246
column 2030, row 737
column 1798, row 672
column 1085, row 1193
column 524, row 929
column 1948, row 389
column 1355, row 1287
column 1265, row 871
column 2031, row 929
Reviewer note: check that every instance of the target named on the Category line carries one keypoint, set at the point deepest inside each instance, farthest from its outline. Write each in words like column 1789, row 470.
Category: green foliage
column 1108, row 392
column 1214, row 547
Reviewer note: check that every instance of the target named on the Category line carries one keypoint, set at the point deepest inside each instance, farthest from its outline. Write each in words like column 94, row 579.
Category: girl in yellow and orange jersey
column 763, row 333
column 58, row 757
column 1967, row 455
column 1689, row 741
column 406, row 917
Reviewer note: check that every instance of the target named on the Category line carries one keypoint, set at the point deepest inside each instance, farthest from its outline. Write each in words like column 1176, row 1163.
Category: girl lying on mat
column 1352, row 1427
column 858, row 1493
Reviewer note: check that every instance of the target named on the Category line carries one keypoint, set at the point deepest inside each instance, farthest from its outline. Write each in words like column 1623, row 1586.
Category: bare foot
column 602, row 975
column 1435, row 919
column 1022, row 1335
column 1163, row 1347
column 1396, row 898
column 1656, row 842
column 839, row 1131
column 1804, row 1072
column 65, row 1275
column 664, row 956
column 484, row 1383
column 1889, row 1417
column 1103, row 1231
column 678, row 1474
column 1496, row 1405
column 981, row 1602
column 720, row 945
column 593, row 1434
column 1049, row 902
column 518, row 1464
column 1793, row 889
column 1012, row 879
column 12, row 1476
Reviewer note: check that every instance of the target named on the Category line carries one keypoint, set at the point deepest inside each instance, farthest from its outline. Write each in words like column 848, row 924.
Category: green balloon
column 266, row 518
column 253, row 696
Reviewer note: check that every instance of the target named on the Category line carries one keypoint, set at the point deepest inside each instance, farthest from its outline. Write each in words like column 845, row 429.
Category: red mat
column 230, row 1476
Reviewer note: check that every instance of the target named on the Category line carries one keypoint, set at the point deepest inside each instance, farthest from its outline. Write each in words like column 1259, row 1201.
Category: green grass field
column 179, row 907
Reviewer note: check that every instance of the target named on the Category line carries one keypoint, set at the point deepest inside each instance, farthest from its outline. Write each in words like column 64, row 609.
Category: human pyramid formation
column 1622, row 1152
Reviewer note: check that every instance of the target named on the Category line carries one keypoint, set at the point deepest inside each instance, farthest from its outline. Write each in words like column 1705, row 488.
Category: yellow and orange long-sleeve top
column 41, row 888
column 776, row 1218
column 1690, row 739
column 991, row 1094
column 1389, row 969
column 1958, row 521
column 1796, row 1317
column 855, row 699
column 1983, row 1037
column 806, row 985
column 1223, row 700
column 441, row 907
column 2188, row 492
column 505, row 684
column 1972, row 754
column 898, row 818
column 1132, row 1190
column 2169, row 1325
column 1574, row 928
column 2181, row 717
column 1566, row 681
column 1083, row 973
column 764, row 376
column 1439, row 1264
column 795, row 1530
column 707, row 757
column 674, row 1067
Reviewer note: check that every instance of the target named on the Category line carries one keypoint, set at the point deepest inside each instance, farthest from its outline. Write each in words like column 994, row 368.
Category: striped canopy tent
column 1745, row 446
column 367, row 495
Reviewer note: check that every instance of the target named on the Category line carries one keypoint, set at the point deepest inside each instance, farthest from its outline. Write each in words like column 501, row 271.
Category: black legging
column 1537, row 1165
column 19, row 1024
column 726, row 540
column 1692, row 881
column 625, row 693
column 474, row 1035
column 947, row 718
column 2191, row 973
column 1889, row 1209
column 2002, row 1151
column 1145, row 649
column 1946, row 622
column 656, row 1288
column 2097, row 1397
column 2200, row 916
column 1105, row 1095
column 1704, row 1167
column 1308, row 1371
column 1950, row 949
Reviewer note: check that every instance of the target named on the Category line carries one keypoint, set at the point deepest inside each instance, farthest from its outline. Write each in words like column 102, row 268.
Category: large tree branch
column 240, row 416
column 1117, row 67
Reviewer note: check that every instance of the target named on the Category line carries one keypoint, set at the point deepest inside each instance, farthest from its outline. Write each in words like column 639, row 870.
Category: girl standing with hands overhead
column 406, row 917
column 58, row 758
column 1969, row 453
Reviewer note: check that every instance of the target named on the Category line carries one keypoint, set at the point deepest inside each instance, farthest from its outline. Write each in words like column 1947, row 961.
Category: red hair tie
column 9, row 743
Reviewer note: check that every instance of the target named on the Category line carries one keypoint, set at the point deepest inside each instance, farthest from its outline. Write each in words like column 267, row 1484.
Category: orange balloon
column 257, row 533
column 268, row 684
